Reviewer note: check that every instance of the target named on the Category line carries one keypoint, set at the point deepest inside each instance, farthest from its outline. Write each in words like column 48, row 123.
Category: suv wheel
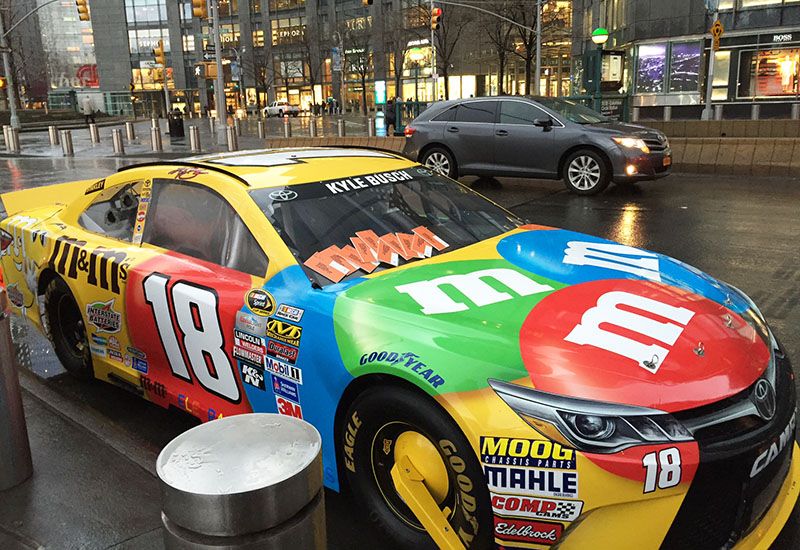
column 586, row 173
column 440, row 161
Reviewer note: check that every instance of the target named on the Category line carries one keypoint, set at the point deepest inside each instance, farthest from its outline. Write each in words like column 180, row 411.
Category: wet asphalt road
column 745, row 231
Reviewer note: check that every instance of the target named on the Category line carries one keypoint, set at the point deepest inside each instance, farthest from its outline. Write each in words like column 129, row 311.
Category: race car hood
column 564, row 312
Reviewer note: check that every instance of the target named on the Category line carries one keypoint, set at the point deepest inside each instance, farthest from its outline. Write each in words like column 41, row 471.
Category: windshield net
column 344, row 228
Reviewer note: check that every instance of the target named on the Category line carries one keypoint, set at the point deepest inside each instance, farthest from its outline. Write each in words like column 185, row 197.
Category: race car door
column 183, row 302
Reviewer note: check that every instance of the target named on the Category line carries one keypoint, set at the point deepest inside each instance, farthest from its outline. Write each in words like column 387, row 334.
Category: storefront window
column 722, row 70
column 758, row 3
column 769, row 73
column 288, row 30
column 650, row 68
column 685, row 61
column 275, row 5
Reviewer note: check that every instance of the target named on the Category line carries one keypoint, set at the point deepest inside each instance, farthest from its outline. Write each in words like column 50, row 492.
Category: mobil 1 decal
column 184, row 324
column 574, row 258
column 456, row 314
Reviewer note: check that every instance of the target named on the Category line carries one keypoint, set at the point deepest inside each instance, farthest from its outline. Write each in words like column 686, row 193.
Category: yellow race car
column 477, row 380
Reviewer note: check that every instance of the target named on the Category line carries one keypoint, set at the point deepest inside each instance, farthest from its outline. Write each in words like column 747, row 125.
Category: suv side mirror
column 545, row 123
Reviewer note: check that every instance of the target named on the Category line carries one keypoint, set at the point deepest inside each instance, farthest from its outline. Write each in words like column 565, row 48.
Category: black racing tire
column 371, row 427
column 441, row 161
column 67, row 330
column 586, row 172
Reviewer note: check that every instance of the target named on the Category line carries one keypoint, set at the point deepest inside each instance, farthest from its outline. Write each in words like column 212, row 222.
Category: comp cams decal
column 536, row 507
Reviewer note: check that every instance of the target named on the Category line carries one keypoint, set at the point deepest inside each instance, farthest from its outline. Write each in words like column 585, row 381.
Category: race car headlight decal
column 591, row 426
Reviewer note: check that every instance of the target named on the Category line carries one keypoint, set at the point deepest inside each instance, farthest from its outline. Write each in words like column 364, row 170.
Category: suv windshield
column 344, row 228
column 573, row 111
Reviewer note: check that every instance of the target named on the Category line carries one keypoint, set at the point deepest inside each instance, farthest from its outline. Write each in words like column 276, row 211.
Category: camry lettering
column 613, row 256
column 765, row 459
column 608, row 312
column 434, row 300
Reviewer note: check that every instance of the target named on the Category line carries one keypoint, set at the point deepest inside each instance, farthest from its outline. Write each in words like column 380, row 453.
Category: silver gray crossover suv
column 540, row 137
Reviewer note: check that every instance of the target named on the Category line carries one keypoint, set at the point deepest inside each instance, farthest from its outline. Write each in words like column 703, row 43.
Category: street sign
column 336, row 59
column 716, row 32
column 209, row 56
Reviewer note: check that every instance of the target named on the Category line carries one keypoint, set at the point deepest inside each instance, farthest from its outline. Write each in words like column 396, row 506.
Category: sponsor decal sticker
column 522, row 530
column 249, row 342
column 113, row 343
column 115, row 355
column 290, row 372
column 290, row 313
column 102, row 316
column 285, row 388
column 284, row 332
column 152, row 387
column 99, row 340
column 95, row 187
column 535, row 453
column 260, row 302
column 244, row 354
column 363, row 182
column 287, row 408
column 535, row 507
column 136, row 352
column 282, row 351
column 253, row 324
column 139, row 364
column 532, row 481
column 97, row 350
column 407, row 360
column 102, row 267
column 252, row 375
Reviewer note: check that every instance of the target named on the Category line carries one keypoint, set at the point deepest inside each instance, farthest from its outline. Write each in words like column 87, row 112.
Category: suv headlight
column 632, row 143
column 591, row 426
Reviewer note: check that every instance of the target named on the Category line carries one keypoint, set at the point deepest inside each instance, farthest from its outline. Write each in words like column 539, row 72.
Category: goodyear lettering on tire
column 469, row 504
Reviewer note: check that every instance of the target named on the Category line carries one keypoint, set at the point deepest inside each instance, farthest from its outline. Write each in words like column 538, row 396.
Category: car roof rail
column 200, row 165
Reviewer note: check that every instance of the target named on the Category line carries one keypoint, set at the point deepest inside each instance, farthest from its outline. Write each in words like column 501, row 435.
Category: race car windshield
column 341, row 229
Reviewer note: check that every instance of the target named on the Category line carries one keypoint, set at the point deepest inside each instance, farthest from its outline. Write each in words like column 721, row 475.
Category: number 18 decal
column 662, row 472
column 195, row 309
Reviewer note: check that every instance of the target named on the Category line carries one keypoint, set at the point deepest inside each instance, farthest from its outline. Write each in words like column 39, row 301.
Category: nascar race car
column 477, row 381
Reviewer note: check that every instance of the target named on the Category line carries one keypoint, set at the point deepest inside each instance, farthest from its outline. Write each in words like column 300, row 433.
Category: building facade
column 658, row 55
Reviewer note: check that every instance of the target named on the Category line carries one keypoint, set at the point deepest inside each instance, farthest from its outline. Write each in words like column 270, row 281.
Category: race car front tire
column 67, row 330
column 374, row 424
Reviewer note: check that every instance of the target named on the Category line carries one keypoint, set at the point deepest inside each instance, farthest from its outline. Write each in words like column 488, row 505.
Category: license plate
column 667, row 161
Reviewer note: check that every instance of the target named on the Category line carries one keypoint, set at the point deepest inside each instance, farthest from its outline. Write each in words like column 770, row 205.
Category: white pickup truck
column 280, row 108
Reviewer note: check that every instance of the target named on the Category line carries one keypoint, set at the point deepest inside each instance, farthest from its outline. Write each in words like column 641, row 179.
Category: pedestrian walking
column 87, row 109
column 391, row 118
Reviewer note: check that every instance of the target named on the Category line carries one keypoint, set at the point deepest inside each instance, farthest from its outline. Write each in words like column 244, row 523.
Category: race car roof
column 281, row 167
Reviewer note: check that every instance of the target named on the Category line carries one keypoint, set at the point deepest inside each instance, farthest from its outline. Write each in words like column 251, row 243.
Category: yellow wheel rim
column 426, row 459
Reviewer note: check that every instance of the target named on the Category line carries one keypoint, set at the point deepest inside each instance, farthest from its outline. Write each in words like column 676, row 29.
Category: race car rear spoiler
column 15, row 202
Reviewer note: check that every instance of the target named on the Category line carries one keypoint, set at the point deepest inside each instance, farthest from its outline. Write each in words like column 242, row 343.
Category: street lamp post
column 599, row 37
column 11, row 90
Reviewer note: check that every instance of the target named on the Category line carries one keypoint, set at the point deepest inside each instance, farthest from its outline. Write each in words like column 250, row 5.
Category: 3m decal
column 282, row 351
column 434, row 300
column 538, row 453
column 260, row 302
column 663, row 469
column 253, row 376
column 290, row 372
column 408, row 360
column 609, row 313
column 95, row 187
column 617, row 257
column 532, row 481
column 186, row 173
column 533, row 507
column 776, row 448
column 290, row 313
column 350, row 440
column 362, row 182
column 197, row 314
column 521, row 530
column 254, row 324
column 287, row 408
column 103, row 317
column 285, row 388
column 285, row 332
column 103, row 267
column 154, row 388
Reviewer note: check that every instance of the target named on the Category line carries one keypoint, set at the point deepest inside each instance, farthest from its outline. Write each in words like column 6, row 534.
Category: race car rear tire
column 67, row 330
column 373, row 424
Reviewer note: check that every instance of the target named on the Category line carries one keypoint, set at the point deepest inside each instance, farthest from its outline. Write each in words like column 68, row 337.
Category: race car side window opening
column 193, row 220
column 310, row 217
column 113, row 211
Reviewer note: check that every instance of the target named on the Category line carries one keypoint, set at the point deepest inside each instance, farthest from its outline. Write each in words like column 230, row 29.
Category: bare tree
column 499, row 33
column 358, row 56
column 400, row 28
column 312, row 56
column 452, row 26
column 524, row 40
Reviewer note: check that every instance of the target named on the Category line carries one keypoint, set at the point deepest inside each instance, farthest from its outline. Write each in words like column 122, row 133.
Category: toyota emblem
column 764, row 399
column 283, row 195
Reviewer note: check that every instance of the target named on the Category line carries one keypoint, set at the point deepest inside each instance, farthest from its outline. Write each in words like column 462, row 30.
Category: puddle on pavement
column 33, row 350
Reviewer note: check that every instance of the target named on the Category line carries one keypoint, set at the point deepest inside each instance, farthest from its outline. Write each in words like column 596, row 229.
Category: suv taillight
column 409, row 131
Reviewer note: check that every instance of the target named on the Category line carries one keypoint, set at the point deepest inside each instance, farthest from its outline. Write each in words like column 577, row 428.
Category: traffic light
column 366, row 2
column 200, row 9
column 436, row 16
column 158, row 54
column 83, row 9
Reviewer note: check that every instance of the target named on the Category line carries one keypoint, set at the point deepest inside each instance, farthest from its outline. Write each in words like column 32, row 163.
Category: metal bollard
column 7, row 137
column 130, row 131
column 287, row 127
column 154, row 122
column 66, row 143
column 13, row 134
column 667, row 113
column 15, row 449
column 340, row 127
column 262, row 130
column 237, row 125
column 718, row 112
column 155, row 140
column 211, row 124
column 312, row 127
column 116, row 140
column 634, row 114
column 795, row 111
column 194, row 139
column 370, row 127
column 53, row 131
column 755, row 111
column 267, row 500
column 94, row 133
column 233, row 141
